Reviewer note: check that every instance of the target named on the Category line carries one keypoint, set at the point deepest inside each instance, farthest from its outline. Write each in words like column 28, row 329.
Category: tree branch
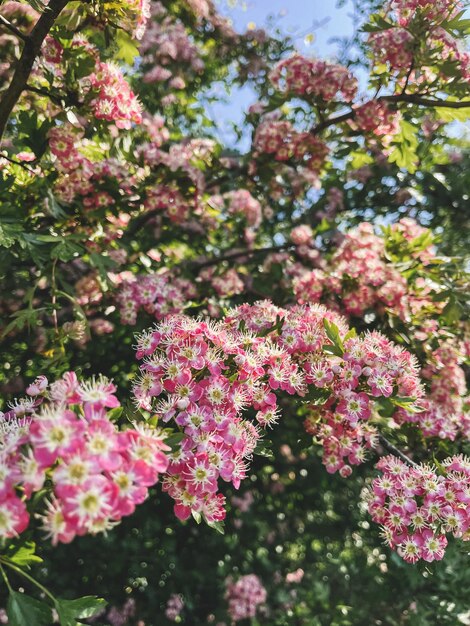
column 332, row 121
column 403, row 97
column 385, row 443
column 427, row 102
column 138, row 222
column 15, row 162
column 4, row 22
column 240, row 253
column 31, row 49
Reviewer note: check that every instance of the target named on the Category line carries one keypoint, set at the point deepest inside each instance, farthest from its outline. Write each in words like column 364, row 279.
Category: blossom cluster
column 244, row 596
column 180, row 156
column 376, row 117
column 169, row 200
column 418, row 506
column 105, row 89
column 399, row 47
column 166, row 48
column 205, row 375
column 174, row 606
column 301, row 76
column 68, row 444
column 158, row 294
column 241, row 202
column 360, row 278
column 434, row 10
column 284, row 142
column 446, row 407
column 393, row 46
column 372, row 367
column 114, row 102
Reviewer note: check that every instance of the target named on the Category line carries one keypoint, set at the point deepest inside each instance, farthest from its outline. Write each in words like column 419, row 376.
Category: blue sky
column 311, row 23
column 296, row 17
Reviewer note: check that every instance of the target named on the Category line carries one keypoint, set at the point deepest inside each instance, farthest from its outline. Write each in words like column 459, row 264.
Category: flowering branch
column 31, row 49
column 412, row 99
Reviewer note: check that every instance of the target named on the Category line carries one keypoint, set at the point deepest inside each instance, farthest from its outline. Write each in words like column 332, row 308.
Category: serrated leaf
column 332, row 332
column 127, row 50
column 263, row 449
column 22, row 610
column 23, row 555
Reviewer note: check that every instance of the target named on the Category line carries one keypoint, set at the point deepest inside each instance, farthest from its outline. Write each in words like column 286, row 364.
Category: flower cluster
column 114, row 102
column 120, row 616
column 226, row 284
column 393, row 46
column 284, row 142
column 174, row 606
column 244, row 596
column 63, row 142
column 418, row 507
column 158, row 294
column 376, row 117
column 371, row 367
column 206, row 374
column 166, row 48
column 169, row 200
column 359, row 277
column 446, row 411
column 241, row 202
column 436, row 11
column 97, row 473
column 180, row 156
column 300, row 76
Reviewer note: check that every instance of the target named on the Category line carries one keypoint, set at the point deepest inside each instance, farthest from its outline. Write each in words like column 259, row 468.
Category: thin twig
column 241, row 253
column 15, row 162
column 385, row 443
column 428, row 102
column 4, row 22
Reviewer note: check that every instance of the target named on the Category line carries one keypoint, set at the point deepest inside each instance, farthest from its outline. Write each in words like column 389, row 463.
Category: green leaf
column 174, row 440
column 197, row 516
column 218, row 526
column 452, row 311
column 332, row 332
column 23, row 555
column 407, row 404
column 405, row 146
column 350, row 334
column 102, row 264
column 359, row 159
column 376, row 23
column 263, row 448
column 66, row 250
column 127, row 50
column 9, row 233
column 22, row 610
column 453, row 115
column 69, row 611
column 115, row 414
